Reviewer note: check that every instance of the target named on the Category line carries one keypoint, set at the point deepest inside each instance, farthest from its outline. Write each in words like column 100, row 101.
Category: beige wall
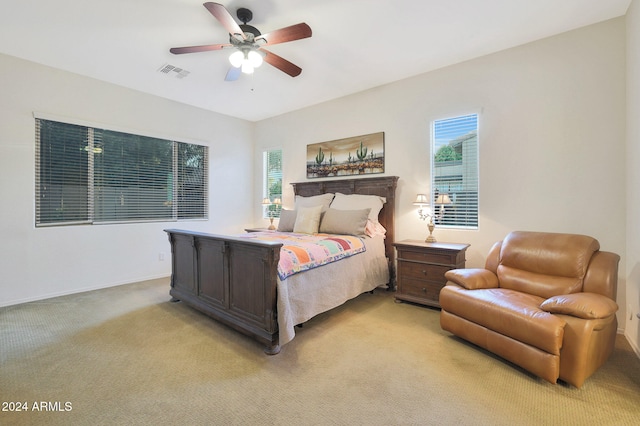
column 632, row 329
column 44, row 262
column 552, row 138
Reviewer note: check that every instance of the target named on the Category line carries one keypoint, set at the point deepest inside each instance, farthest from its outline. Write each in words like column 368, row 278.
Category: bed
column 236, row 279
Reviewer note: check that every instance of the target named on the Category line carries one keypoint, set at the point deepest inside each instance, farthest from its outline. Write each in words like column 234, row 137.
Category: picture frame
column 356, row 155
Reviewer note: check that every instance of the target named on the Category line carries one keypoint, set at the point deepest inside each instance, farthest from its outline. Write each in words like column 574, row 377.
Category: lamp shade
column 266, row 201
column 421, row 200
column 443, row 199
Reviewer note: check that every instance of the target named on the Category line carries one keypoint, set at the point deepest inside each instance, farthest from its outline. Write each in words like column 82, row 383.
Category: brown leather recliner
column 544, row 301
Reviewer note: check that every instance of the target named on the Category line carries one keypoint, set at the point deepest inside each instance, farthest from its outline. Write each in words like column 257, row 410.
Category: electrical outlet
column 161, row 257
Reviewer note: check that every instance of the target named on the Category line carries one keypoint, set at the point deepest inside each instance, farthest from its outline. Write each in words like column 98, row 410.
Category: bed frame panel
column 233, row 280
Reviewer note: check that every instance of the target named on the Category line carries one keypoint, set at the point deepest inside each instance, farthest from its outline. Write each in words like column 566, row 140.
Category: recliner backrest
column 545, row 264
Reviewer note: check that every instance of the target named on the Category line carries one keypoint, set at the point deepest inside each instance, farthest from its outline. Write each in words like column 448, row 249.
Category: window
column 272, row 181
column 86, row 175
column 454, row 171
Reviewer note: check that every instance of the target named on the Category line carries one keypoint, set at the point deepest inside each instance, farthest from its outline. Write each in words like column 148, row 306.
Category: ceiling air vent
column 173, row 70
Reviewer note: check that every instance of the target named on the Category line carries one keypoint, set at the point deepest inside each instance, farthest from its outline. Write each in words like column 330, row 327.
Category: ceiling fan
column 248, row 43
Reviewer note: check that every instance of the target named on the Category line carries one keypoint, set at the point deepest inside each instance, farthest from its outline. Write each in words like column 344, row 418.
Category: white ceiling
column 356, row 44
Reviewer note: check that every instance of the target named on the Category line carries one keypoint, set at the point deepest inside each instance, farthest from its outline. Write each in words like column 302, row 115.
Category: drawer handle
column 424, row 290
column 424, row 272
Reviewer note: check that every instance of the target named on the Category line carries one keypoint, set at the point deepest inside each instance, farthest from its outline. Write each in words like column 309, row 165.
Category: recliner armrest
column 581, row 305
column 472, row 279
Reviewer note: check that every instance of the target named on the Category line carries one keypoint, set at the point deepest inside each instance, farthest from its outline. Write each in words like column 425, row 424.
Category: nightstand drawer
column 422, row 271
column 442, row 258
column 421, row 289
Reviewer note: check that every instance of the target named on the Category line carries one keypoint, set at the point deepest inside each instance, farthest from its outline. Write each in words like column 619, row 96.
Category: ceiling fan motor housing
column 245, row 15
column 250, row 29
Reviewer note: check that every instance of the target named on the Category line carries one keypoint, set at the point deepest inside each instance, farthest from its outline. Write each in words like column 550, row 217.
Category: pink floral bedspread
column 301, row 252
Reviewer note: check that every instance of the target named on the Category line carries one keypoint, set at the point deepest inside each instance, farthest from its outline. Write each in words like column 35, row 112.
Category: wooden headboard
column 382, row 186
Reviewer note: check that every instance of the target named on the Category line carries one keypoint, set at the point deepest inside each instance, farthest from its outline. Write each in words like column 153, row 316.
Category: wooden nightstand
column 258, row 230
column 421, row 268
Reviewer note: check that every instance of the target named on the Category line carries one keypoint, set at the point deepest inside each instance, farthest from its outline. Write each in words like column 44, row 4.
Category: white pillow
column 359, row 202
column 307, row 220
column 324, row 200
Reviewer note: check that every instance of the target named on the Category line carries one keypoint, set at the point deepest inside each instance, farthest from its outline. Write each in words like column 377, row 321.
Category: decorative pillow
column 344, row 222
column 581, row 305
column 373, row 229
column 307, row 220
column 324, row 200
column 359, row 202
column 287, row 220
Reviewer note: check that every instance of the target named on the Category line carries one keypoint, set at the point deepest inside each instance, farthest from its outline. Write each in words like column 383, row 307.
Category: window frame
column 464, row 193
column 273, row 210
column 188, row 182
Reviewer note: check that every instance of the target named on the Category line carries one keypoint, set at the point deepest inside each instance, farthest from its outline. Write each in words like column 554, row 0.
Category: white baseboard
column 81, row 290
column 635, row 347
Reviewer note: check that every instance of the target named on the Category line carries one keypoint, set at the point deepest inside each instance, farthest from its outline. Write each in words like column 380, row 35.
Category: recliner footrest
column 508, row 312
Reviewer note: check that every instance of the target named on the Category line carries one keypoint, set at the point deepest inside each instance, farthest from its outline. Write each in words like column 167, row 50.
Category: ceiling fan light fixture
column 236, row 58
column 247, row 68
column 254, row 58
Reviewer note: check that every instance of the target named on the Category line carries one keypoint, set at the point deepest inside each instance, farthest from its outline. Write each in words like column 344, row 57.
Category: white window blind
column 62, row 173
column 88, row 175
column 272, row 166
column 191, row 189
column 454, row 171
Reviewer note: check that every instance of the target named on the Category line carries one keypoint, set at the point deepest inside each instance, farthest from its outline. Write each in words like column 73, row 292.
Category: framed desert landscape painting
column 357, row 155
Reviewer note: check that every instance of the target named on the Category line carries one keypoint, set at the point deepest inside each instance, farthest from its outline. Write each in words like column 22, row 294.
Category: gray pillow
column 287, row 220
column 344, row 222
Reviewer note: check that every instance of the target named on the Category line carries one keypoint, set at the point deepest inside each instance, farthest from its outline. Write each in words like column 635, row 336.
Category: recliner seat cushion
column 508, row 312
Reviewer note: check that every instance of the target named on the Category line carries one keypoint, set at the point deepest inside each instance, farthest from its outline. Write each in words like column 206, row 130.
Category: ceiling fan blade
column 225, row 18
column 233, row 74
column 283, row 35
column 282, row 64
column 195, row 49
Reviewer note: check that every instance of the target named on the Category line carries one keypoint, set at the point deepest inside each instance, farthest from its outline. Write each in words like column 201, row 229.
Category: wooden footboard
column 230, row 279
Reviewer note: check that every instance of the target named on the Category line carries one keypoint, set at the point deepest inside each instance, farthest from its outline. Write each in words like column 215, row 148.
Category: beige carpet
column 125, row 355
